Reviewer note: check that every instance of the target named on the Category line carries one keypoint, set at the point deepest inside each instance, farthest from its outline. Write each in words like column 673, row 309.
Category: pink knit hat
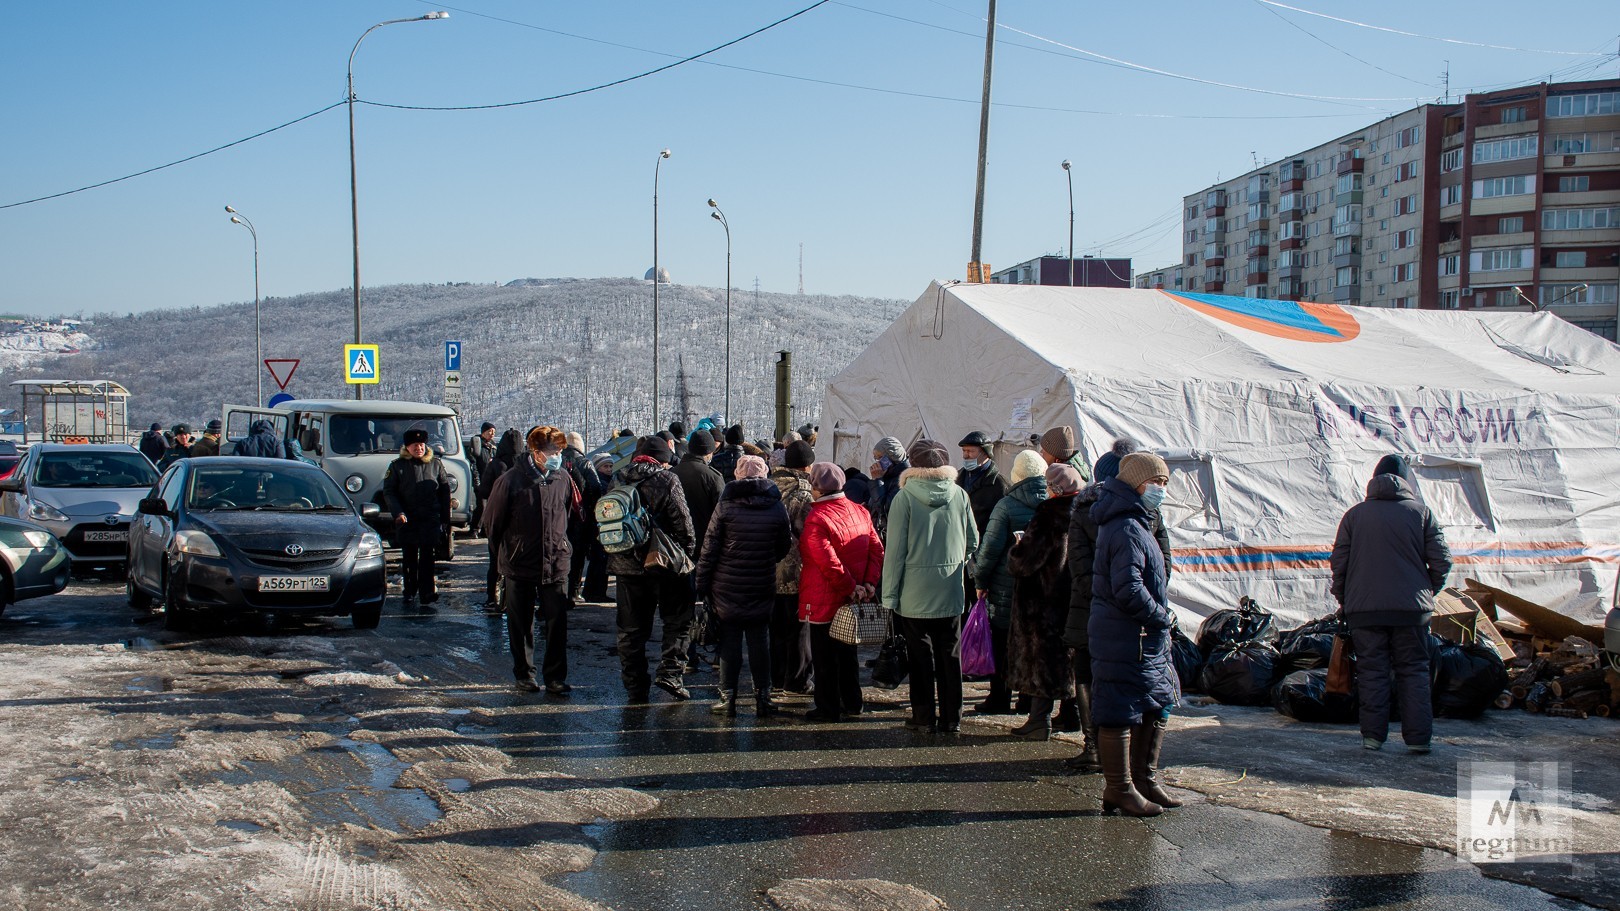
column 750, row 467
column 827, row 477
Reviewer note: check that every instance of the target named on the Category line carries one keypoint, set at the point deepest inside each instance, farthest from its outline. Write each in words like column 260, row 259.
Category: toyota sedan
column 83, row 494
column 219, row 537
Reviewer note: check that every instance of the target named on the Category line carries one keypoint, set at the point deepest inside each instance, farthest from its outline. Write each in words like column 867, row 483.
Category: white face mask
column 1153, row 496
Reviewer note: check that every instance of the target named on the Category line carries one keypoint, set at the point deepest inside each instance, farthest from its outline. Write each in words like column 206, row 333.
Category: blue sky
column 877, row 186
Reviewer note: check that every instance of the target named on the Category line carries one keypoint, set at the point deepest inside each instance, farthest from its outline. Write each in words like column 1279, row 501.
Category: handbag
column 892, row 665
column 860, row 623
column 978, row 654
column 1341, row 673
column 664, row 555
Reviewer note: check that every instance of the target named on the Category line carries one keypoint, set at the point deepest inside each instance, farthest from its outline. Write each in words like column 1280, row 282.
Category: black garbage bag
column 1466, row 679
column 1189, row 660
column 1288, row 637
column 1228, row 628
column 1305, row 651
column 1303, row 696
column 892, row 665
column 1241, row 675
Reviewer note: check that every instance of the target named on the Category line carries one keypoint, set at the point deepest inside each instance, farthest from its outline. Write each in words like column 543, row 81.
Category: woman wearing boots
column 1008, row 519
column 1038, row 663
column 1134, row 682
column 736, row 576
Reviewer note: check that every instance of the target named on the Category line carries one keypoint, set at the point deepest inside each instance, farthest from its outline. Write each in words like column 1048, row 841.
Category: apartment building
column 1085, row 272
column 1496, row 201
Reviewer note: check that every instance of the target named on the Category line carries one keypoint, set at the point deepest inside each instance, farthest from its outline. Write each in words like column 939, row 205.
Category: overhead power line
column 1396, row 31
column 178, row 161
column 1319, row 39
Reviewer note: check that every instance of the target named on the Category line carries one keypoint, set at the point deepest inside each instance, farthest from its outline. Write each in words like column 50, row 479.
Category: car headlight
column 39, row 539
column 45, row 512
column 455, row 483
column 354, row 484
column 196, row 543
column 370, row 545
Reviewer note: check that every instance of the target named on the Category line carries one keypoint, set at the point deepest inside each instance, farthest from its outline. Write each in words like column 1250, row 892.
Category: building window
column 1406, row 205
column 1406, row 239
column 1580, row 219
column 1450, row 196
column 1345, row 276
column 1509, row 149
column 1517, row 185
column 1580, row 183
column 1406, row 272
column 1348, row 183
column 1406, row 171
column 1499, row 260
column 1514, row 114
column 1583, row 105
column 1512, row 225
column 1346, row 246
column 1448, row 300
column 1451, row 265
column 1192, row 213
column 1574, row 293
column 1505, row 297
column 1570, row 259
column 1450, row 161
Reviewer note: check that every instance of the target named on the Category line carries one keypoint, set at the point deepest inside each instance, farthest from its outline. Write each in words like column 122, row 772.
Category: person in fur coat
column 1038, row 660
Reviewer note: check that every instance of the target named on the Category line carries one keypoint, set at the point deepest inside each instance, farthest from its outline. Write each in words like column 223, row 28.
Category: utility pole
column 801, row 272
column 976, row 269
column 585, row 423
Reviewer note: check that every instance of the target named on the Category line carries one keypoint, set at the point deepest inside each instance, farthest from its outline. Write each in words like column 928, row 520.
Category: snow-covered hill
column 527, row 356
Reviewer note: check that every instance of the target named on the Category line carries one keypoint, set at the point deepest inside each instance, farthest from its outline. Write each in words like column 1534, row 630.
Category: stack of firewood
column 1569, row 679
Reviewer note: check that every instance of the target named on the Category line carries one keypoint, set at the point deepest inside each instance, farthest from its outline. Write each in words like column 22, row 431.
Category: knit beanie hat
column 700, row 443
column 734, row 435
column 1029, row 464
column 750, row 467
column 927, row 454
column 1141, row 467
column 889, row 446
column 1059, row 441
column 789, row 437
column 576, row 441
column 1062, row 480
column 799, row 455
column 827, row 477
column 655, row 447
column 677, row 429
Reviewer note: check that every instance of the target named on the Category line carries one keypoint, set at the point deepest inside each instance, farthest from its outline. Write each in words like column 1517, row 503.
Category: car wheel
column 138, row 600
column 367, row 617
column 175, row 615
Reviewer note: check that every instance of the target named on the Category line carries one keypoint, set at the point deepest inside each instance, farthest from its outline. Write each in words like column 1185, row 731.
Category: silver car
column 32, row 562
column 85, row 495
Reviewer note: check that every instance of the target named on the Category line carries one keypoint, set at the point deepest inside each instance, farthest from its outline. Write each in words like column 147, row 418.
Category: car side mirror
column 12, row 484
column 370, row 510
column 153, row 506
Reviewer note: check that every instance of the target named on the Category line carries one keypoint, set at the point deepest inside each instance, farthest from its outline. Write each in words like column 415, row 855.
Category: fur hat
column 750, row 467
column 889, row 446
column 655, row 447
column 1141, row 467
column 545, row 439
column 180, row 428
column 734, row 435
column 1028, row 464
column 700, row 443
column 415, row 435
column 928, row 454
column 827, row 477
column 799, row 455
column 1059, row 442
column 1062, row 480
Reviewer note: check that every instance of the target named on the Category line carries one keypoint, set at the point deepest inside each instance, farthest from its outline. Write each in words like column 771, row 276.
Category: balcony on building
column 1292, row 176
column 1214, row 254
column 1347, row 294
column 1350, row 163
column 1215, row 202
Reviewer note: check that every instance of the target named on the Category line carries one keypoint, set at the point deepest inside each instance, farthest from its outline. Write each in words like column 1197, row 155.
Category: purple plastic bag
column 978, row 658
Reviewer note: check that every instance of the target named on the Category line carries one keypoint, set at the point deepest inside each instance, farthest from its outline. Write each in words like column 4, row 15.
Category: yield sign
column 276, row 366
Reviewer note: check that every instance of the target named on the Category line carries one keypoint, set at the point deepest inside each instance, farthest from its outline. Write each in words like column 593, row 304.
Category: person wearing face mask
column 528, row 514
column 1133, row 679
column 889, row 463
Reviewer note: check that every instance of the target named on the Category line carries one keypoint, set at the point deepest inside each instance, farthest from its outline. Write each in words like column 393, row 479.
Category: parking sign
column 452, row 356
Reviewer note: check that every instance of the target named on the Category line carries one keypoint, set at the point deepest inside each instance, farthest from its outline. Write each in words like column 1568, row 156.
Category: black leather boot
column 1118, row 795
column 764, row 706
column 1086, row 763
column 1039, row 725
column 1146, row 739
column 727, row 705
column 1068, row 716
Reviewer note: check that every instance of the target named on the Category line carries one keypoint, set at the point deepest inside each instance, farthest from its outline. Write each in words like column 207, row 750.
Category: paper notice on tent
column 1023, row 415
column 1271, row 416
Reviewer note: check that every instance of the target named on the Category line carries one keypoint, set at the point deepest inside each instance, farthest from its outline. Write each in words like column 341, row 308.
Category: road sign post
column 281, row 369
column 360, row 365
column 452, row 377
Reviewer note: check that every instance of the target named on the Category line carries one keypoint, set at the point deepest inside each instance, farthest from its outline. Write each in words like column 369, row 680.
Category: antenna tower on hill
column 801, row 269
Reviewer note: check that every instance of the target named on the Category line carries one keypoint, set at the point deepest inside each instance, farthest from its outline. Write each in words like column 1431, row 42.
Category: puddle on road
column 347, row 781
column 458, row 785
column 240, row 825
column 149, row 685
column 160, row 742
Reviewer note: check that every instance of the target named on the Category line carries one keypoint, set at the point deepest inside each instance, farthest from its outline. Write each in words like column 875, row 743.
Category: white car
column 86, row 495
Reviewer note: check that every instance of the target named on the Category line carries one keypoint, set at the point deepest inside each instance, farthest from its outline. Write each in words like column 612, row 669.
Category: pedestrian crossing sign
column 360, row 364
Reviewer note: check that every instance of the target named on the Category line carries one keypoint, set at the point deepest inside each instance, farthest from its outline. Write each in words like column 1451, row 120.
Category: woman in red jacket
column 843, row 562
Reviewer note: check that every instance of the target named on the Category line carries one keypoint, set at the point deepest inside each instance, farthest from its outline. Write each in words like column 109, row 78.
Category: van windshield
column 359, row 434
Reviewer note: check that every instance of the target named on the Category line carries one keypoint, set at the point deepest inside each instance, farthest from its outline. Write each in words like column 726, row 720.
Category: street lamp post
column 656, row 166
column 1070, row 174
column 720, row 217
column 237, row 218
column 354, row 195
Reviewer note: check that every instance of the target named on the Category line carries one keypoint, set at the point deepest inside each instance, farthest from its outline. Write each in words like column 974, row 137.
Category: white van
column 354, row 441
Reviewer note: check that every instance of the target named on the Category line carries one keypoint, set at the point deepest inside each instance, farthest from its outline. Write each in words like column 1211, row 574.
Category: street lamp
column 354, row 196
column 237, row 218
column 656, row 165
column 720, row 217
column 1070, row 175
column 1536, row 307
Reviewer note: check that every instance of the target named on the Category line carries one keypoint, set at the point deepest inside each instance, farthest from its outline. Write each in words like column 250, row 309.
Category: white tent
column 1272, row 415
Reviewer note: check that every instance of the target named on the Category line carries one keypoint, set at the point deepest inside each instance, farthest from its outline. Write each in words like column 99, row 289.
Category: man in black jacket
column 700, row 482
column 480, row 452
column 725, row 461
column 417, row 491
column 645, row 593
column 1389, row 560
column 528, row 514
column 582, row 526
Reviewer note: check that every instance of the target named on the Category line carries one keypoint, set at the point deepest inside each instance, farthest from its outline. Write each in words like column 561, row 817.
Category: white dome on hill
column 663, row 276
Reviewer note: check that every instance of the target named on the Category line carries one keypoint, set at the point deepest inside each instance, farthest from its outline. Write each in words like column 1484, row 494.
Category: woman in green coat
column 931, row 537
column 1009, row 519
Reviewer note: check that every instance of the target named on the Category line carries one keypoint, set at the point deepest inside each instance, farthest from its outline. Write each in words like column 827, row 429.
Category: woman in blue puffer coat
column 1133, row 679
